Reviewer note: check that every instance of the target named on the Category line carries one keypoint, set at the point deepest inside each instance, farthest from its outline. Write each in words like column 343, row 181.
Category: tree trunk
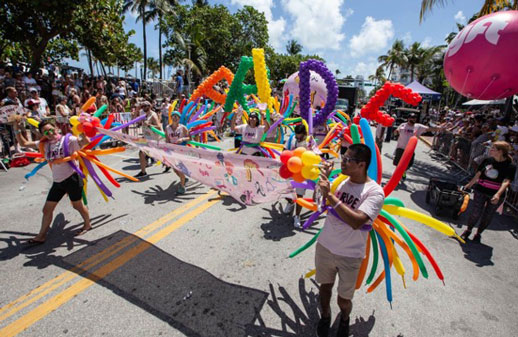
column 103, row 69
column 390, row 72
column 160, row 43
column 37, row 55
column 89, row 55
column 144, row 38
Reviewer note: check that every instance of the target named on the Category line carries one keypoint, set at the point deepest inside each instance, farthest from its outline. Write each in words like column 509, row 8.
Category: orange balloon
column 307, row 204
column 299, row 151
column 294, row 164
column 298, row 177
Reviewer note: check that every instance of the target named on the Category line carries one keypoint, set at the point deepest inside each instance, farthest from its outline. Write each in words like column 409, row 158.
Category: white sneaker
column 288, row 208
column 296, row 221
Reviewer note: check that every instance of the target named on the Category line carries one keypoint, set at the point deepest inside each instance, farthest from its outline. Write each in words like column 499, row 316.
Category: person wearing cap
column 406, row 131
column 43, row 107
column 150, row 121
column 176, row 133
column 252, row 132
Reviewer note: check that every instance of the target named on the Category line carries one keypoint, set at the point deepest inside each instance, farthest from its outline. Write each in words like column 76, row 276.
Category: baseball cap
column 33, row 89
column 32, row 102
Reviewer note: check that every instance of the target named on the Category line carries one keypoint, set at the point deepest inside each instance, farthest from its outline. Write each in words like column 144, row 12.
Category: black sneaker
column 167, row 168
column 140, row 174
column 343, row 328
column 476, row 238
column 466, row 234
column 323, row 326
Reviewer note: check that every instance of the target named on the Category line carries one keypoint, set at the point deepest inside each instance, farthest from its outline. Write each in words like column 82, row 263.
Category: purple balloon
column 136, row 120
column 304, row 94
column 307, row 184
column 311, row 219
column 66, row 151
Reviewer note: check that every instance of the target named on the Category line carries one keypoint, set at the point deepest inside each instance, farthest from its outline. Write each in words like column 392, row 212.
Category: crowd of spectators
column 466, row 136
column 55, row 94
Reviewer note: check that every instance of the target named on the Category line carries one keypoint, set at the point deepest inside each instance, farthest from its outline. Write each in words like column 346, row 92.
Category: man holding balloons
column 341, row 244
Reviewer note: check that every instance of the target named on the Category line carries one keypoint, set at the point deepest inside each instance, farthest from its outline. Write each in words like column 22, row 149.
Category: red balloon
column 356, row 120
column 285, row 156
column 96, row 122
column 284, row 172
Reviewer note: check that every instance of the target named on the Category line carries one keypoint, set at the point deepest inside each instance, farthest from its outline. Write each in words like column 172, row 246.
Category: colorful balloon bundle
column 371, row 110
column 87, row 157
column 195, row 117
column 299, row 164
column 385, row 230
column 206, row 88
column 305, row 94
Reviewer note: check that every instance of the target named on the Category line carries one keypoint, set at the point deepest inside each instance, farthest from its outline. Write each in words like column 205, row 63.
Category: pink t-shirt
column 250, row 135
column 340, row 238
column 406, row 131
column 180, row 132
column 55, row 151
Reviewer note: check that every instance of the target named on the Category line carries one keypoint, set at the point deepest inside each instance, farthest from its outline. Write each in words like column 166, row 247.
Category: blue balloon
column 388, row 282
column 369, row 141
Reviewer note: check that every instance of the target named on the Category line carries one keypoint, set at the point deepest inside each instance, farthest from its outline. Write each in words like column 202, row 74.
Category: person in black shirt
column 493, row 177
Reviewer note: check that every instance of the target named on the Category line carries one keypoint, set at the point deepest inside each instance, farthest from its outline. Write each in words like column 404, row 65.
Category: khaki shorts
column 328, row 265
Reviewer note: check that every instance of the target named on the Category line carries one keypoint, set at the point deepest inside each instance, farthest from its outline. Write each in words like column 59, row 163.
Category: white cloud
column 407, row 38
column 374, row 36
column 427, row 42
column 276, row 28
column 365, row 68
column 460, row 18
column 317, row 23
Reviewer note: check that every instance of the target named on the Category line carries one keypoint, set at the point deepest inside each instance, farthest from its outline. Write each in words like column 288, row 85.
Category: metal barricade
column 446, row 144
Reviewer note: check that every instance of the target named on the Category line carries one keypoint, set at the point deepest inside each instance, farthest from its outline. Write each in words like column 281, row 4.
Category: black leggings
column 482, row 209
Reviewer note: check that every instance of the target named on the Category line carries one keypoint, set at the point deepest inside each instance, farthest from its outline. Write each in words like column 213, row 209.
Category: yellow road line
column 58, row 300
column 41, row 291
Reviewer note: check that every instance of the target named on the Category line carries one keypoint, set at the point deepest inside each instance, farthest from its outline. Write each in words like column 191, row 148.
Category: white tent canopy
column 482, row 102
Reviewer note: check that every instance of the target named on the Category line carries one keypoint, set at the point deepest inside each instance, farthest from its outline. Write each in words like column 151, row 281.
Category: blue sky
column 348, row 34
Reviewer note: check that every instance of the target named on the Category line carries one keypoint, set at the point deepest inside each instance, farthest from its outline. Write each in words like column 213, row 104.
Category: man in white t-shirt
column 406, row 131
column 341, row 244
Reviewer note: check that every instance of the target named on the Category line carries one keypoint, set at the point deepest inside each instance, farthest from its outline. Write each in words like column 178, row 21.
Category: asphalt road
column 159, row 264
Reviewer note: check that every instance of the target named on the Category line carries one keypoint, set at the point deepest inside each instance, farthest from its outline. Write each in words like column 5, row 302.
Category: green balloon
column 394, row 201
column 355, row 134
column 306, row 245
column 374, row 242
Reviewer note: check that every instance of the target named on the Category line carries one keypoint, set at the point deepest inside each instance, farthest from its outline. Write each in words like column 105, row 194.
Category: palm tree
column 378, row 77
column 489, row 6
column 157, row 9
column 293, row 47
column 337, row 72
column 154, row 66
column 140, row 7
column 430, row 64
column 395, row 57
column 187, row 52
column 414, row 56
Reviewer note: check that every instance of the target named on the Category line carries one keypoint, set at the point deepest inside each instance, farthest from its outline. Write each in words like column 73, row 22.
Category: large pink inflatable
column 317, row 85
column 482, row 61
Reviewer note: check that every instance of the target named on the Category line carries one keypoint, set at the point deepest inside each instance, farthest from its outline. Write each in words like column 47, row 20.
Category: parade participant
column 176, row 133
column 493, row 177
column 252, row 132
column 151, row 120
column 297, row 139
column 405, row 132
column 65, row 179
column 341, row 245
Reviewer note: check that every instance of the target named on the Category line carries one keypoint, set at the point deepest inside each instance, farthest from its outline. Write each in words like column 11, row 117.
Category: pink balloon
column 481, row 62
column 317, row 85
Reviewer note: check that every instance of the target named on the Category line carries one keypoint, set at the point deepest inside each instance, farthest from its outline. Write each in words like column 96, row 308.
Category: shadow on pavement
column 302, row 320
column 185, row 296
column 478, row 253
column 59, row 235
column 280, row 225
column 159, row 195
column 227, row 200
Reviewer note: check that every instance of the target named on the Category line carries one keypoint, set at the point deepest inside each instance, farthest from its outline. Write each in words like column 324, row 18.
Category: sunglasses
column 49, row 132
column 348, row 159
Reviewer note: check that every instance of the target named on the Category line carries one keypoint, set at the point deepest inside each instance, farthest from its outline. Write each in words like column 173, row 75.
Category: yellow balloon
column 306, row 172
column 338, row 180
column 314, row 173
column 33, row 122
column 309, row 158
column 422, row 218
column 74, row 120
column 75, row 132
